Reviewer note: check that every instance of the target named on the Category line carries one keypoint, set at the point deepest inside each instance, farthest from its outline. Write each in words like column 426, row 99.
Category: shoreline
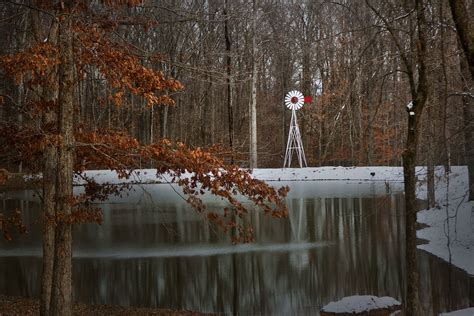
column 450, row 196
column 18, row 305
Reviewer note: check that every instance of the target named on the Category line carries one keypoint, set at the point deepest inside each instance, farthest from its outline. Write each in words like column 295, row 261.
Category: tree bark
column 411, row 262
column 253, row 101
column 152, row 125
column 48, row 94
column 431, row 180
column 164, row 121
column 61, row 301
column 468, row 118
column 430, row 158
column 230, row 81
column 469, row 142
column 49, row 193
column 465, row 29
column 419, row 94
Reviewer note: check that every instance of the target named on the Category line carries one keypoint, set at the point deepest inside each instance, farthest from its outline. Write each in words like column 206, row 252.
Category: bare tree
column 253, row 102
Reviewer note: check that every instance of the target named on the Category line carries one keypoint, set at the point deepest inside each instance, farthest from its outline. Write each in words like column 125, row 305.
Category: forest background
column 340, row 53
column 389, row 79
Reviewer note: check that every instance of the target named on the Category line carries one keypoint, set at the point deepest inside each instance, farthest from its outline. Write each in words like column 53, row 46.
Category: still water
column 340, row 239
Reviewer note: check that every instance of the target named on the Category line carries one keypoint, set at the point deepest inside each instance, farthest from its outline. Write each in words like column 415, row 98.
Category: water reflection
column 163, row 254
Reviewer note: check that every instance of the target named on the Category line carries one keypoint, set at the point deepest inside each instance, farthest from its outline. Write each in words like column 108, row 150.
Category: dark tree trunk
column 430, row 178
column 469, row 141
column 420, row 94
column 163, row 121
column 49, row 193
column 430, row 158
column 49, row 198
column 306, row 86
column 253, row 99
column 228, row 61
column 468, row 117
column 61, row 301
column 411, row 262
column 465, row 29
column 49, row 125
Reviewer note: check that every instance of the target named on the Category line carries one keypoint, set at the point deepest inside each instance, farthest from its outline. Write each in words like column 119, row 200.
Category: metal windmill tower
column 294, row 101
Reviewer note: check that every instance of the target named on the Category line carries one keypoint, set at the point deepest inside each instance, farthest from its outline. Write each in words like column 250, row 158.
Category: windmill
column 294, row 101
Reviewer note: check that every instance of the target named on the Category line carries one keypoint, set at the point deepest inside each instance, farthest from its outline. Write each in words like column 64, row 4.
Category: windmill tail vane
column 294, row 100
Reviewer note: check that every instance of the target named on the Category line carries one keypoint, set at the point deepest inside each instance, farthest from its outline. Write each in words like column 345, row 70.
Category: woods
column 341, row 54
column 58, row 146
column 198, row 86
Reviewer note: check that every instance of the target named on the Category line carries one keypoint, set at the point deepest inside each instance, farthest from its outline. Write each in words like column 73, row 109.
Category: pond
column 340, row 239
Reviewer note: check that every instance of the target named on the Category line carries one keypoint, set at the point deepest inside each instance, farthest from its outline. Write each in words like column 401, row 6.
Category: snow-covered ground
column 451, row 222
column 392, row 174
column 361, row 303
column 462, row 312
column 286, row 174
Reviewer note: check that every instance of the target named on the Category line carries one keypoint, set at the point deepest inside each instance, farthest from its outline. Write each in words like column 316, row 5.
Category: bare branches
column 31, row 7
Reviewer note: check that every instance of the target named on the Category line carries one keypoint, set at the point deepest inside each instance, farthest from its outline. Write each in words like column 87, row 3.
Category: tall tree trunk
column 230, row 81
column 469, row 142
column 419, row 93
column 430, row 158
column 431, row 178
column 61, row 301
column 465, row 29
column 152, row 125
column 468, row 118
column 306, row 85
column 49, row 194
column 21, row 86
column 49, row 125
column 163, row 121
column 253, row 100
column 444, row 95
column 411, row 262
column 370, row 129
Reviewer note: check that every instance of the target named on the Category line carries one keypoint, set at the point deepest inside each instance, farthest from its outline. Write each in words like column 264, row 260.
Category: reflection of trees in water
column 364, row 257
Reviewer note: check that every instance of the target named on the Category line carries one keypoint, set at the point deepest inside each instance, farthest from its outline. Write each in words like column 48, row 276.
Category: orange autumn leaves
column 119, row 65
column 197, row 171
column 32, row 66
column 122, row 70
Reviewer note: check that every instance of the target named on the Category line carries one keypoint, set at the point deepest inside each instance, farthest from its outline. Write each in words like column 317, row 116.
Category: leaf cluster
column 197, row 171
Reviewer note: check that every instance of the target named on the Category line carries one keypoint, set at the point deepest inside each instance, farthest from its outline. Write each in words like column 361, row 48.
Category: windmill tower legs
column 294, row 144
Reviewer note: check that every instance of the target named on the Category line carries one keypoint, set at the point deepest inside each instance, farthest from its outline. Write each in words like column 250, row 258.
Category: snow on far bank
column 275, row 174
column 360, row 303
column 461, row 312
column 137, row 176
column 331, row 173
column 376, row 173
column 303, row 183
column 450, row 233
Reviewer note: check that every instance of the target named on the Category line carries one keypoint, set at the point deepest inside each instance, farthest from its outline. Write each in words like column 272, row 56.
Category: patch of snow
column 359, row 304
column 450, row 234
column 331, row 173
column 271, row 174
column 461, row 312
